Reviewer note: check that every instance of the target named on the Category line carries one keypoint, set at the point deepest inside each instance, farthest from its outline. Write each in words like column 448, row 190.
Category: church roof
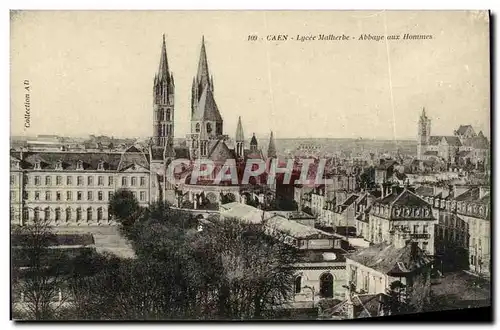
column 219, row 151
column 451, row 140
column 163, row 73
column 203, row 76
column 239, row 131
column 253, row 141
column 271, row 150
column 463, row 129
column 207, row 108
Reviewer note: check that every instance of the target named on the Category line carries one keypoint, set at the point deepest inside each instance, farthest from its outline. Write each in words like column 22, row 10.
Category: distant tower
column 271, row 149
column 424, row 133
column 240, row 139
column 253, row 144
column 206, row 121
column 163, row 101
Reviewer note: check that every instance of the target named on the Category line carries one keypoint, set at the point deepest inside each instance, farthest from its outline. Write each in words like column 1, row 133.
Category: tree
column 37, row 271
column 124, row 207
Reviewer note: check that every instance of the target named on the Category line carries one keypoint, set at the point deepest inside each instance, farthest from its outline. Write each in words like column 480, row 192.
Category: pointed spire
column 239, row 131
column 271, row 149
column 203, row 75
column 423, row 112
column 163, row 67
column 253, row 143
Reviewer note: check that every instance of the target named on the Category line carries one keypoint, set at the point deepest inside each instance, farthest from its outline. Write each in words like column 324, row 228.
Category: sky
column 91, row 72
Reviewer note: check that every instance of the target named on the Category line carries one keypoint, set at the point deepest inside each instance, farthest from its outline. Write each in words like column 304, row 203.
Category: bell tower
column 163, row 101
column 424, row 133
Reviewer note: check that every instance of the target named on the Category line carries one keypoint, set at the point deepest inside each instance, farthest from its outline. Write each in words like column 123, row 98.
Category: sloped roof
column 132, row 156
column 207, row 108
column 425, row 191
column 220, row 152
column 471, row 195
column 243, row 212
column 463, row 129
column 69, row 160
column 387, row 258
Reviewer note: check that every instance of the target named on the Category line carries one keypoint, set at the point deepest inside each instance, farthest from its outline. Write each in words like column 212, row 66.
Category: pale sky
column 92, row 72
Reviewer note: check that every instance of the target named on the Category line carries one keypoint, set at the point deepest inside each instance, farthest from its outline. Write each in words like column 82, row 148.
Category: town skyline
column 261, row 88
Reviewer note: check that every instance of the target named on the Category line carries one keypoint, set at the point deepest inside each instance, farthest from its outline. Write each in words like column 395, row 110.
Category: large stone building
column 74, row 187
column 463, row 147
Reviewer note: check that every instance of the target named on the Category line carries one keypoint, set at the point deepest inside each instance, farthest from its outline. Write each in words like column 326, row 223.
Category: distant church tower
column 163, row 101
column 424, row 133
column 271, row 149
column 206, row 121
column 240, row 140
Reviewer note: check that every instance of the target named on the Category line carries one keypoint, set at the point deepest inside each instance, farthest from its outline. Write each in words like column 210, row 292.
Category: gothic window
column 197, row 128
column 168, row 115
column 298, row 284
column 161, row 114
column 209, row 128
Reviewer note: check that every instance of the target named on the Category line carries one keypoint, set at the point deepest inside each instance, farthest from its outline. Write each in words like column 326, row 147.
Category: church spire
column 203, row 75
column 163, row 73
column 239, row 131
column 271, row 149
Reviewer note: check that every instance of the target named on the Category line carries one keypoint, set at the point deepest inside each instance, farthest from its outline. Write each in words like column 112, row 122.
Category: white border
column 190, row 4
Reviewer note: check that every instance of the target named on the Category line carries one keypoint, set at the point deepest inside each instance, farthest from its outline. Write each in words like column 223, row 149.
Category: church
column 206, row 139
column 464, row 147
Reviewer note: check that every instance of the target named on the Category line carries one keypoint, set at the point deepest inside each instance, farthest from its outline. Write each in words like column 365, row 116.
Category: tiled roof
column 425, row 191
column 471, row 195
column 387, row 258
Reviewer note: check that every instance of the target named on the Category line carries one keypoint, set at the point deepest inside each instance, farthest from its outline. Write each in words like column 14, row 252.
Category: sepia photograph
column 249, row 165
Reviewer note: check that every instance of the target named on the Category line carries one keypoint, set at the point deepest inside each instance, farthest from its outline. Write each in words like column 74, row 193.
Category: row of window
column 68, row 214
column 90, row 180
column 79, row 195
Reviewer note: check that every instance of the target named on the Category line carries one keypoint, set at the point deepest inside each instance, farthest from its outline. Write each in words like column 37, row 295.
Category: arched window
column 47, row 213
column 89, row 214
column 209, row 128
column 58, row 214
column 298, row 284
column 326, row 285
column 99, row 213
column 68, row 214
column 168, row 115
column 36, row 214
column 197, row 127
column 161, row 114
column 78, row 214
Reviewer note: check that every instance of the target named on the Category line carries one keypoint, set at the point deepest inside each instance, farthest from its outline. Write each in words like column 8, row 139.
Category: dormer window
column 38, row 165
column 79, row 165
column 100, row 166
column 59, row 165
